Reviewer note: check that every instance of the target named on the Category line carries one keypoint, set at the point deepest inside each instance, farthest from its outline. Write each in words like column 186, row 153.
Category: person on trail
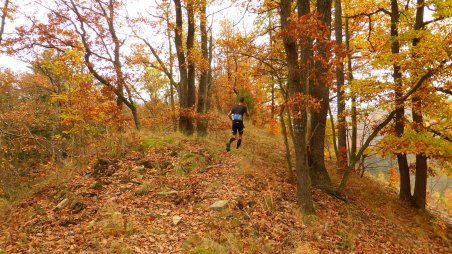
column 236, row 116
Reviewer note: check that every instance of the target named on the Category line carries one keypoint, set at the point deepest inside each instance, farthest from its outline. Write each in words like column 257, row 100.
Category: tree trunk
column 209, row 80
column 171, row 62
column 341, row 123
column 117, row 63
column 304, row 194
column 420, row 184
column 203, row 79
column 191, row 88
column 405, row 189
column 333, row 130
column 319, row 174
column 136, row 120
column 286, row 145
column 5, row 10
column 306, row 65
column 185, row 121
column 354, row 136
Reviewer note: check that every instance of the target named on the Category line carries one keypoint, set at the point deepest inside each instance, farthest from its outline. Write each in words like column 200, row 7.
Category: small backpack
column 236, row 117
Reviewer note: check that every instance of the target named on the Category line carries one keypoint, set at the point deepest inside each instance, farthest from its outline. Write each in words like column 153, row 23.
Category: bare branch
column 370, row 13
column 426, row 23
column 159, row 60
column 439, row 134
column 442, row 90
column 3, row 22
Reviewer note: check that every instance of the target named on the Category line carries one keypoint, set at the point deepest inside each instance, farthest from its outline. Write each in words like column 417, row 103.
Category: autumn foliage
column 105, row 112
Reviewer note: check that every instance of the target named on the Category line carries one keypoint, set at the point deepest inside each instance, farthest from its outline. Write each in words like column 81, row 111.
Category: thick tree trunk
column 405, row 188
column 304, row 194
column 306, row 65
column 420, row 184
column 319, row 174
column 136, row 120
column 191, row 88
column 185, row 121
column 203, row 79
column 341, row 123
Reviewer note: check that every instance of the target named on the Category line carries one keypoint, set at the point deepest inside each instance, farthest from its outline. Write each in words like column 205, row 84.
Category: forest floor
column 158, row 199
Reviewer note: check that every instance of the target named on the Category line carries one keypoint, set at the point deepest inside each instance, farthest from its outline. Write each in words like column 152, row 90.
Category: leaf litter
column 158, row 201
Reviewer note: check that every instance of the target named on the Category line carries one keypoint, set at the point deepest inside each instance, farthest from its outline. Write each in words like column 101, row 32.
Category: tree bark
column 185, row 121
column 209, row 79
column 116, row 51
column 341, row 123
column 171, row 63
column 203, row 78
column 191, row 88
column 318, row 172
column 420, row 184
column 333, row 130
column 290, row 123
column 405, row 188
column 3, row 19
column 286, row 145
column 354, row 136
column 304, row 194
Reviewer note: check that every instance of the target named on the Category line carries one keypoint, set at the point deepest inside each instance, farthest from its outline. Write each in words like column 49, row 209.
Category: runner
column 236, row 116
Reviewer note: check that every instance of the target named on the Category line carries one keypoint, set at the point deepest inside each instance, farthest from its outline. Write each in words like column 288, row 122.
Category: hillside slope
column 158, row 200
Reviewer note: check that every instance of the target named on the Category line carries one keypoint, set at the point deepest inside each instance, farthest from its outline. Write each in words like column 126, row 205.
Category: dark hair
column 241, row 99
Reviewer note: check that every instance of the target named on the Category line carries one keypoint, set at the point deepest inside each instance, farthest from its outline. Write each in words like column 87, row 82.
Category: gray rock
column 167, row 193
column 62, row 204
column 176, row 219
column 219, row 205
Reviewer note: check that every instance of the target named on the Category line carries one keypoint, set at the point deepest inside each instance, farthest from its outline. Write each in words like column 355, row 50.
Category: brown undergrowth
column 132, row 205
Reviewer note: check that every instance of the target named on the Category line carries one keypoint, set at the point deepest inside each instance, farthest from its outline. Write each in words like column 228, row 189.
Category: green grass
column 189, row 162
column 202, row 250
column 39, row 210
column 214, row 185
column 154, row 142
column 5, row 208
column 96, row 185
column 143, row 190
column 346, row 244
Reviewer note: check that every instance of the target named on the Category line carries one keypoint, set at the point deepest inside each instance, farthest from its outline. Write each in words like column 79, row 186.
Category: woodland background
column 342, row 89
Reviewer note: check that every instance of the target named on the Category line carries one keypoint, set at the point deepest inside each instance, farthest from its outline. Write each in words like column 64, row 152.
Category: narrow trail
column 158, row 201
